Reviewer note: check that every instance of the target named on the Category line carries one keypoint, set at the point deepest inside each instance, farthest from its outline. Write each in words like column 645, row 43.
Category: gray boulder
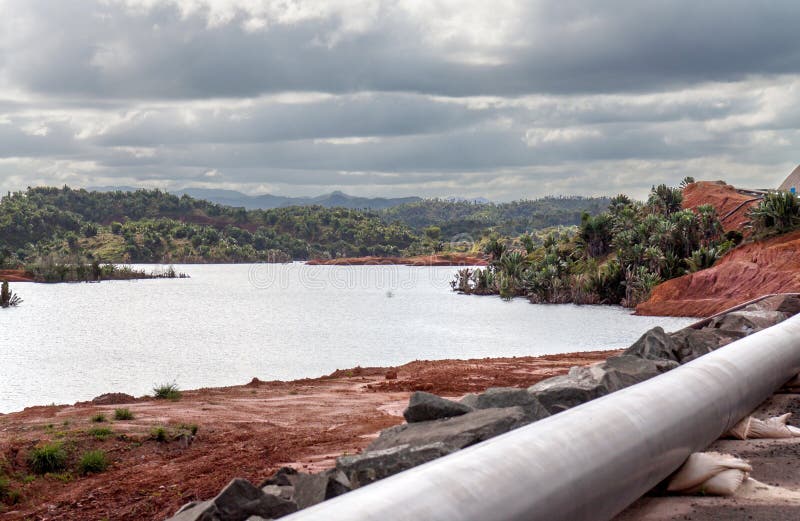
column 470, row 400
column 424, row 407
column 238, row 501
column 623, row 371
column 500, row 397
column 693, row 343
column 370, row 466
column 560, row 393
column 789, row 304
column 747, row 322
column 655, row 344
column 455, row 433
column 310, row 489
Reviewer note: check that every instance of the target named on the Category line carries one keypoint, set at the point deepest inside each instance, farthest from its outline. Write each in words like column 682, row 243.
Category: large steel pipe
column 590, row 462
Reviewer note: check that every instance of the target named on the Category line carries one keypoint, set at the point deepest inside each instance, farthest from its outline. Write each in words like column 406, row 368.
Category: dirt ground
column 245, row 431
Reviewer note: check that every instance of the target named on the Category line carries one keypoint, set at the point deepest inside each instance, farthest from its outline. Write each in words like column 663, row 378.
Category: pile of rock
column 436, row 426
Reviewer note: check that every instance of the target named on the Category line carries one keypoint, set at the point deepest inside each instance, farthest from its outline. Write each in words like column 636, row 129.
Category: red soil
column 749, row 271
column 732, row 206
column 246, row 431
column 15, row 276
column 444, row 259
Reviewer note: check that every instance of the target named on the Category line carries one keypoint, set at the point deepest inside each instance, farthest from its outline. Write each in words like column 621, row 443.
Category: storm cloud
column 498, row 99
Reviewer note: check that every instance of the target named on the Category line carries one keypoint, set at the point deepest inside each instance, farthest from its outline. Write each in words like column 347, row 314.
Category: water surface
column 229, row 323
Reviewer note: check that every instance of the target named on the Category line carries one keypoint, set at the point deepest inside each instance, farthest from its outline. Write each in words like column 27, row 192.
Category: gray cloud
column 506, row 99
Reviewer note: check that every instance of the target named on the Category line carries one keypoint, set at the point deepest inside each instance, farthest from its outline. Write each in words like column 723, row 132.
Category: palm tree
column 778, row 212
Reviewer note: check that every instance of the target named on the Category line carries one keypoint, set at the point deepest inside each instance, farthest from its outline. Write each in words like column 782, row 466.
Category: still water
column 229, row 323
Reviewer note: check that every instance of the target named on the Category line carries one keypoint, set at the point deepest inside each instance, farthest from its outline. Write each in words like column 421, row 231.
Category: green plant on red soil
column 159, row 434
column 50, row 457
column 101, row 433
column 167, row 391
column 99, row 417
column 93, row 462
column 123, row 414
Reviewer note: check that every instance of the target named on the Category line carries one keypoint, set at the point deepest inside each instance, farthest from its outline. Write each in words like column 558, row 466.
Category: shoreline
column 247, row 430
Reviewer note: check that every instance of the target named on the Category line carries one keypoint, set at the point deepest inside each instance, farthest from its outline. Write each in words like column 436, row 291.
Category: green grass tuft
column 159, row 434
column 123, row 414
column 93, row 462
column 101, row 433
column 48, row 458
column 99, row 417
column 167, row 391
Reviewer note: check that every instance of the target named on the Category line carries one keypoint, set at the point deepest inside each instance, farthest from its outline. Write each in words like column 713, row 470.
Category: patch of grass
column 191, row 428
column 123, row 414
column 5, row 487
column 159, row 434
column 63, row 477
column 93, row 462
column 101, row 433
column 99, row 417
column 48, row 458
column 167, row 391
column 29, row 478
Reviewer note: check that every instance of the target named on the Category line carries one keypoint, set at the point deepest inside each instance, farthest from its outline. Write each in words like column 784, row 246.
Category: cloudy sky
column 502, row 99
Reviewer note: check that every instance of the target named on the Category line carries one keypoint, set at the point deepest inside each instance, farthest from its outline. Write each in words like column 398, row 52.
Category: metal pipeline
column 592, row 461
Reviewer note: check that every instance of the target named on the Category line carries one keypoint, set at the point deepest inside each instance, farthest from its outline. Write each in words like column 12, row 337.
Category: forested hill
column 455, row 217
column 154, row 226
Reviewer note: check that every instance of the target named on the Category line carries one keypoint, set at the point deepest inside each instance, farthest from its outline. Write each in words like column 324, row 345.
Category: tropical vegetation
column 44, row 226
column 614, row 257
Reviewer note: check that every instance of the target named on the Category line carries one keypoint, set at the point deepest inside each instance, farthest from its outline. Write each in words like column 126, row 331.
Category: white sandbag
column 775, row 428
column 710, row 473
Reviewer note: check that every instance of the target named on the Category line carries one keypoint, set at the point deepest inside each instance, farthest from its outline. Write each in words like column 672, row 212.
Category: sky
column 499, row 99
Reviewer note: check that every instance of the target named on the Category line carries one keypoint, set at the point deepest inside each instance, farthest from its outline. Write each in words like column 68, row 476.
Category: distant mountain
column 268, row 201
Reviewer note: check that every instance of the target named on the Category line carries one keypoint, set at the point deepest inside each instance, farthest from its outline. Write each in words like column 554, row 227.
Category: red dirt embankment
column 732, row 206
column 244, row 431
column 15, row 276
column 749, row 271
column 444, row 259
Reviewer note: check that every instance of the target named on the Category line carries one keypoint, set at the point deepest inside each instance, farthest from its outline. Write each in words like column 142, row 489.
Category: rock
column 747, row 322
column 238, row 501
column 580, row 385
column 623, row 371
column 500, row 397
column 426, row 406
column 693, row 343
column 283, row 477
column 310, row 489
column 789, row 304
column 655, row 344
column 470, row 400
column 455, row 433
column 391, row 375
column 257, row 518
column 282, row 492
column 373, row 465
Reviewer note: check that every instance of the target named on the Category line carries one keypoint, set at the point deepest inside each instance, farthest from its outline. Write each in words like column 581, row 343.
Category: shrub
column 123, row 414
column 778, row 212
column 93, row 462
column 159, row 434
column 167, row 391
column 191, row 428
column 101, row 433
column 99, row 417
column 5, row 487
column 48, row 458
column 7, row 297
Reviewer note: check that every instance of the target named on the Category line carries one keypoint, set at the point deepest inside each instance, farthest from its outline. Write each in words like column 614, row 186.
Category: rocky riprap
column 437, row 426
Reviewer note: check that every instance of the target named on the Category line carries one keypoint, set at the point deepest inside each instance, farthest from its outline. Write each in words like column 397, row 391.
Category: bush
column 93, row 462
column 5, row 487
column 123, row 414
column 101, row 433
column 159, row 434
column 99, row 417
column 48, row 458
column 778, row 212
column 167, row 391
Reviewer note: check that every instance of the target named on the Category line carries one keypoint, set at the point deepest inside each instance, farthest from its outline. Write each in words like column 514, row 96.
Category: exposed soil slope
column 245, row 431
column 732, row 206
column 445, row 259
column 15, row 276
column 749, row 271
